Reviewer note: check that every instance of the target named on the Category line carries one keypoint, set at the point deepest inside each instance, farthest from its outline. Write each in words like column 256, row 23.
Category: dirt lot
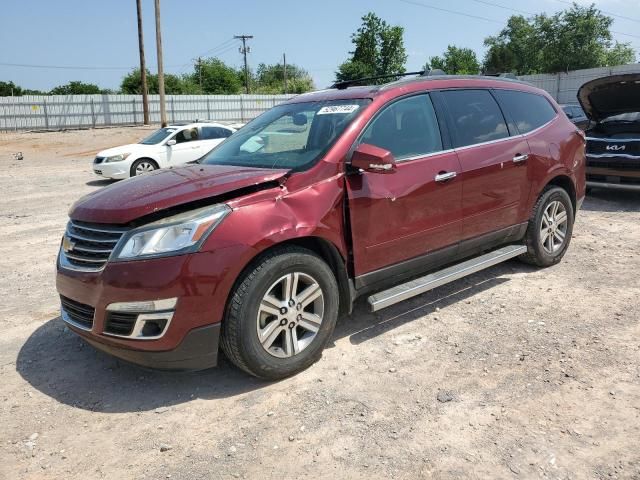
column 510, row 373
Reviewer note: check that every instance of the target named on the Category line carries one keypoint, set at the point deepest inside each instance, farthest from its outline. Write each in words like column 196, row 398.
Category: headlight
column 175, row 235
column 116, row 158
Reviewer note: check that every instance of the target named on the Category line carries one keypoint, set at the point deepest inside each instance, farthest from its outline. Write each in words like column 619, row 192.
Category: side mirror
column 171, row 143
column 299, row 119
column 373, row 159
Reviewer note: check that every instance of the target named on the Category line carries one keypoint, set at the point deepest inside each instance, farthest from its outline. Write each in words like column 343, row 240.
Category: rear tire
column 550, row 228
column 281, row 313
column 142, row 166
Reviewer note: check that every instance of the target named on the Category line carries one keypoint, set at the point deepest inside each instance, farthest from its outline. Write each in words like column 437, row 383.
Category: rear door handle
column 520, row 158
column 443, row 177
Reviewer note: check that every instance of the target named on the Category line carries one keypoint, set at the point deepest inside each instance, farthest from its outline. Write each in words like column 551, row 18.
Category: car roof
column 408, row 85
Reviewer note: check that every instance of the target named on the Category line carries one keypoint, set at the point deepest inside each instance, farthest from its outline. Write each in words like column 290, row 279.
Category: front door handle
column 520, row 158
column 443, row 177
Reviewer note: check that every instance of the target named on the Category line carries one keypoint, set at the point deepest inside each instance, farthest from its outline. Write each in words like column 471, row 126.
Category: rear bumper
column 197, row 351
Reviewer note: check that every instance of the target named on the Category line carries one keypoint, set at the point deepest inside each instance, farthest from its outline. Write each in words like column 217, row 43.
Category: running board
column 421, row 285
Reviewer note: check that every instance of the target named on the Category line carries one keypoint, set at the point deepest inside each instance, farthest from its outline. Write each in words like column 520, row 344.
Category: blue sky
column 314, row 35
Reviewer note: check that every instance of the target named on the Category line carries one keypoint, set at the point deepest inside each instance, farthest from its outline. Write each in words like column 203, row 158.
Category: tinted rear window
column 528, row 110
column 476, row 117
column 213, row 133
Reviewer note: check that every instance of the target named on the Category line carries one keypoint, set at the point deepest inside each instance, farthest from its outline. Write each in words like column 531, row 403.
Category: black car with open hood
column 613, row 140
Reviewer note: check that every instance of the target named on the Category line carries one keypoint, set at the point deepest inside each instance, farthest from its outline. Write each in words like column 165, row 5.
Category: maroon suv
column 386, row 191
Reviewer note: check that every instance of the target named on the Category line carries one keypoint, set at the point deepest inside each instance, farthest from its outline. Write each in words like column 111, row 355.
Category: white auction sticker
column 344, row 109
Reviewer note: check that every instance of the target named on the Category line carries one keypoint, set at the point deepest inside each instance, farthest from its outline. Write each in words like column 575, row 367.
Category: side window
column 214, row 133
column 476, row 117
column 528, row 110
column 187, row 135
column 407, row 128
column 578, row 113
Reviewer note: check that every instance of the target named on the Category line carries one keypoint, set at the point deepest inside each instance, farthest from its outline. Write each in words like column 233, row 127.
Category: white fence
column 564, row 86
column 59, row 112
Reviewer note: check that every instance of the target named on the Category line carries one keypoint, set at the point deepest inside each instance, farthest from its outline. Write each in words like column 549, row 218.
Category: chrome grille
column 87, row 246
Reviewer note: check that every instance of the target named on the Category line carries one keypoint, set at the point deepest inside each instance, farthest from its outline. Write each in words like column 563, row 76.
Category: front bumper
column 190, row 341
column 198, row 351
column 619, row 172
column 114, row 170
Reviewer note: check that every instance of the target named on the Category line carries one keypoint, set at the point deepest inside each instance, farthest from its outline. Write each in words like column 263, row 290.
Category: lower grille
column 120, row 323
column 87, row 246
column 77, row 313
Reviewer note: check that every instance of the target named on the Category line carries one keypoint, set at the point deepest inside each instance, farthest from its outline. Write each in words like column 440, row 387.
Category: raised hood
column 607, row 96
column 130, row 199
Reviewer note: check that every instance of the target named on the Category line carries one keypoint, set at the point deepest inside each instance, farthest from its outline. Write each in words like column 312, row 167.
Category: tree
column 379, row 50
column 576, row 38
column 8, row 89
column 454, row 60
column 173, row 84
column 76, row 88
column 218, row 78
column 269, row 79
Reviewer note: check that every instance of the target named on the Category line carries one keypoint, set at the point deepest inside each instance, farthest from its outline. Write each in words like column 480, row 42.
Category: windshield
column 624, row 117
column 289, row 136
column 157, row 136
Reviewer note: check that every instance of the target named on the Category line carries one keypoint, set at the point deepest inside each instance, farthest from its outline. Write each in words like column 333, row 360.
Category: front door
column 188, row 147
column 416, row 209
column 494, row 170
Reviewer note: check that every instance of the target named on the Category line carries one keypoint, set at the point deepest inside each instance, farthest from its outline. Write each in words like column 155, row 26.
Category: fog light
column 145, row 306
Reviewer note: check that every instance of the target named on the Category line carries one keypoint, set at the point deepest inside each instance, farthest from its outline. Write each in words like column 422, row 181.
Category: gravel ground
column 510, row 373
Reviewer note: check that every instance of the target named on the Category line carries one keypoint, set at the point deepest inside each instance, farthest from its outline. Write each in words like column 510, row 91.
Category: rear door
column 407, row 213
column 211, row 137
column 493, row 162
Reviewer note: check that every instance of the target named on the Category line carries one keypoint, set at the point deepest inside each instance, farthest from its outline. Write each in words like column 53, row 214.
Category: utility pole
column 163, row 108
column 244, row 50
column 143, row 68
column 284, row 64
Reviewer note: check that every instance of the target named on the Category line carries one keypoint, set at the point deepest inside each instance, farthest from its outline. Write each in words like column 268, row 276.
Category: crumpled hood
column 109, row 152
column 136, row 197
column 604, row 97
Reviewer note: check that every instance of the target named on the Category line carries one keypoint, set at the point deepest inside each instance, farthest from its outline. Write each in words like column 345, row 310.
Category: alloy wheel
column 290, row 314
column 553, row 230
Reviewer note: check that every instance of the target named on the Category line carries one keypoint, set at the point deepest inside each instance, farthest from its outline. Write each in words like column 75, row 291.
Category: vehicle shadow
column 59, row 364
column 101, row 183
column 602, row 200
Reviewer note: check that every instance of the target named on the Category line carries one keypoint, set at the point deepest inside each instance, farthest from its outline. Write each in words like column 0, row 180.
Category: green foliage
column 76, row 88
column 173, row 84
column 217, row 77
column 9, row 88
column 454, row 60
column 379, row 50
column 576, row 38
column 269, row 79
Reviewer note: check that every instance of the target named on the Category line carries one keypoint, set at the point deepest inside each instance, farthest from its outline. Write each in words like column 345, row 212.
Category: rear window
column 476, row 117
column 527, row 110
column 213, row 133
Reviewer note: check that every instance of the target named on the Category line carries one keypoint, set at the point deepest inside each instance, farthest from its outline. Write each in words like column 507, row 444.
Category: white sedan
column 170, row 146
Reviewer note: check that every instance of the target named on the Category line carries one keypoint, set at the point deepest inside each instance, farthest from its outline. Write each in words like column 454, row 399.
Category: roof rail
column 349, row 83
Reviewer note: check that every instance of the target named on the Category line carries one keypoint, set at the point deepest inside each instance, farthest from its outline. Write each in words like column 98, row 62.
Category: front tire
column 142, row 166
column 281, row 314
column 550, row 228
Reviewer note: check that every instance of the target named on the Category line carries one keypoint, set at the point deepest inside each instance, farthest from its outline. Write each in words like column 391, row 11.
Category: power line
column 605, row 12
column 455, row 12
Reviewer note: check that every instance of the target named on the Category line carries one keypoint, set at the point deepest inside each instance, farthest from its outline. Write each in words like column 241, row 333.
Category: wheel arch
column 327, row 251
column 143, row 157
column 566, row 183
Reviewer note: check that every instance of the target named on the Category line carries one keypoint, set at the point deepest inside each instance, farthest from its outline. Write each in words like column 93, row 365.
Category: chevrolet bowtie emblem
column 67, row 244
